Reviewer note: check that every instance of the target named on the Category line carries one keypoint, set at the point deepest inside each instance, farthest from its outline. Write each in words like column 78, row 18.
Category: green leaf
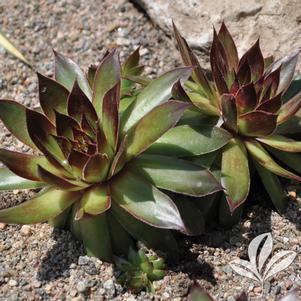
column 152, row 126
column 95, row 200
column 106, row 77
column 264, row 159
column 188, row 140
column 191, row 215
column 60, row 182
column 121, row 240
column 96, row 168
column 289, row 109
column 235, row 173
column 288, row 66
column 203, row 104
column 226, row 217
column 154, row 94
column 257, row 123
column 293, row 89
column 44, row 206
column 67, row 72
column 175, row 175
column 292, row 160
column 159, row 239
column 282, row 143
column 10, row 181
column 145, row 202
column 11, row 48
column 273, row 187
column 52, row 96
column 205, row 161
column 13, row 115
column 96, row 237
column 23, row 165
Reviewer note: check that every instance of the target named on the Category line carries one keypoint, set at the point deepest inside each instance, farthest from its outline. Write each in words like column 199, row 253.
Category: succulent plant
column 87, row 147
column 245, row 99
column 140, row 270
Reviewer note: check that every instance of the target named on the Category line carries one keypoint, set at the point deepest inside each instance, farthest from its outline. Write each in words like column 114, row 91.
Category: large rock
column 277, row 22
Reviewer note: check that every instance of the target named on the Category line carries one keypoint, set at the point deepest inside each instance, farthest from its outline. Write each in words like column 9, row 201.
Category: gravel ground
column 37, row 263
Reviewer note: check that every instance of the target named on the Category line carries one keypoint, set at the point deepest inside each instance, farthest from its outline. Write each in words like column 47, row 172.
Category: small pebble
column 25, row 230
column 12, row 282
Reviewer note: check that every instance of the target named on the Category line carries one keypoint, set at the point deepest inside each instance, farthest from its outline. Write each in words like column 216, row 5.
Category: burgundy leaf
column 65, row 125
column 79, row 105
column 229, row 112
column 190, row 59
column 246, row 98
column 178, row 92
column 257, row 123
column 110, row 115
column 53, row 96
column 106, row 77
column 255, row 61
column 231, row 51
column 271, row 105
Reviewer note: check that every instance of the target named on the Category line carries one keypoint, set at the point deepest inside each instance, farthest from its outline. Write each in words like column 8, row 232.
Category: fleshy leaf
column 190, row 59
column 289, row 109
column 106, row 77
column 96, row 236
column 96, row 168
column 178, row 92
column 235, row 173
column 264, row 159
column 67, row 72
column 23, row 165
column 145, row 202
column 110, row 115
column 185, row 140
column 203, row 104
column 13, row 115
column 119, row 158
column 153, row 125
column 58, row 181
column 229, row 46
column 65, row 125
column 219, row 65
column 246, row 99
column 257, row 123
column 42, row 132
column 79, row 105
column 229, row 111
column 96, row 200
column 282, row 143
column 273, row 187
column 175, row 175
column 10, row 181
column 271, row 105
column 41, row 208
column 53, row 96
column 159, row 239
column 255, row 60
column 156, row 93
column 288, row 66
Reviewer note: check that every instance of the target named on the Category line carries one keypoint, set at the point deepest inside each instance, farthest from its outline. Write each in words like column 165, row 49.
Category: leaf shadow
column 65, row 251
column 191, row 263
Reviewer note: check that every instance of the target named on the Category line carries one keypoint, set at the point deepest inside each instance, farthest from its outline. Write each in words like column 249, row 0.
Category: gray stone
column 276, row 22
column 109, row 288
